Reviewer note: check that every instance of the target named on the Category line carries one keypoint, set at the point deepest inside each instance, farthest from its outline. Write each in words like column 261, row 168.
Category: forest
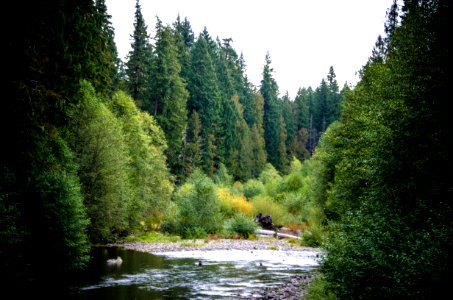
column 176, row 140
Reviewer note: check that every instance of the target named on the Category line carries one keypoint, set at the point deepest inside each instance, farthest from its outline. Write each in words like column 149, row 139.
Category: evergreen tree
column 289, row 118
column 192, row 145
column 283, row 162
column 170, row 94
column 272, row 113
column 184, row 40
column 205, row 98
column 257, row 135
column 333, row 100
column 298, row 145
column 113, row 65
column 321, row 106
column 301, row 109
column 138, row 65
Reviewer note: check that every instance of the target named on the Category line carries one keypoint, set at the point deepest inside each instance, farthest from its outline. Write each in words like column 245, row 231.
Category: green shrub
column 153, row 237
column 241, row 224
column 267, row 206
column 313, row 236
column 318, row 290
column 253, row 188
column 194, row 232
column 294, row 203
column 269, row 174
column 291, row 182
column 199, row 206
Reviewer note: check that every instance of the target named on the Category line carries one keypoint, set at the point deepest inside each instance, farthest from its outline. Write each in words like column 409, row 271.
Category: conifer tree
column 289, row 120
column 283, row 162
column 257, row 136
column 320, row 107
column 241, row 160
column 333, row 101
column 272, row 113
column 205, row 98
column 113, row 66
column 191, row 157
column 184, row 41
column 301, row 108
column 169, row 94
column 138, row 65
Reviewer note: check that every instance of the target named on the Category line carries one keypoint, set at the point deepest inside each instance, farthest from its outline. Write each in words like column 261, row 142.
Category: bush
column 318, row 290
column 195, row 232
column 253, row 188
column 313, row 236
column 199, row 205
column 291, row 183
column 269, row 174
column 267, row 206
column 242, row 225
column 294, row 203
column 232, row 204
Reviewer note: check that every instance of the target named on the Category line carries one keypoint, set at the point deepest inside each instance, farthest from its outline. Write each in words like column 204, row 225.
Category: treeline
column 198, row 91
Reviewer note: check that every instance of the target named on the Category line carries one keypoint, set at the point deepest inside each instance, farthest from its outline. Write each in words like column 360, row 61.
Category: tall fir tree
column 288, row 114
column 205, row 98
column 301, row 108
column 113, row 62
column 139, row 60
column 184, row 41
column 169, row 94
column 333, row 101
column 191, row 158
column 272, row 113
column 257, row 135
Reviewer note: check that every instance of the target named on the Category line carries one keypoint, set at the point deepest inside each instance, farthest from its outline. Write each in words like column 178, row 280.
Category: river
column 223, row 274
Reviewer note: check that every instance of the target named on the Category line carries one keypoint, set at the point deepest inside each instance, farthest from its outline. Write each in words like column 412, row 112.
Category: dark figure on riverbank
column 265, row 222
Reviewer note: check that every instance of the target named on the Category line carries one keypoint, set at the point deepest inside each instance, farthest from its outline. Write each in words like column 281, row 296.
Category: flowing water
column 223, row 274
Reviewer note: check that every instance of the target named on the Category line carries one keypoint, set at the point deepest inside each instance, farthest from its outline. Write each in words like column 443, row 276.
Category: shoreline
column 217, row 244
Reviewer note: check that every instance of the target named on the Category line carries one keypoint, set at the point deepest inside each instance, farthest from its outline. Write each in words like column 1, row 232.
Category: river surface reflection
column 223, row 274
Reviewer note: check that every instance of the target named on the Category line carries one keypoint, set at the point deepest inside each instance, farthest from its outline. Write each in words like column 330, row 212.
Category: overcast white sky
column 304, row 37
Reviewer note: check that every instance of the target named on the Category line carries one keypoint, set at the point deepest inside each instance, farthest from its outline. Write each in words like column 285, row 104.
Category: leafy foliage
column 199, row 206
column 103, row 168
column 149, row 175
column 391, row 226
column 242, row 225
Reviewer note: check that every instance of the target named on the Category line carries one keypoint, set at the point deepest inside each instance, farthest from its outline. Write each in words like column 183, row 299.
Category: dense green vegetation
column 176, row 140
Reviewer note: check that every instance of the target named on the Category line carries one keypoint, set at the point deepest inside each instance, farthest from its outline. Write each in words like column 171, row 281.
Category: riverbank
column 216, row 244
column 294, row 288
